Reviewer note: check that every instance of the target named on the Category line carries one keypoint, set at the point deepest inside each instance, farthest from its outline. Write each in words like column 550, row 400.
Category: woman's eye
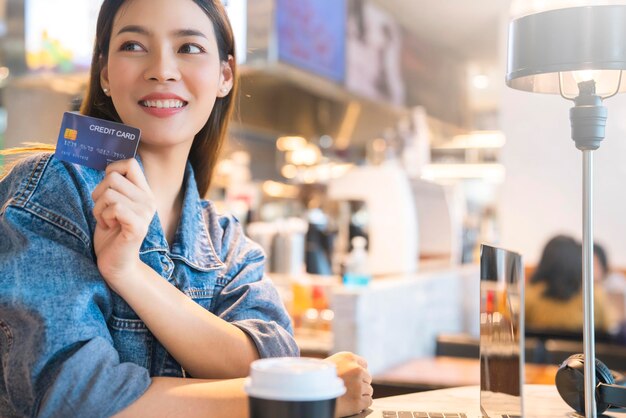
column 191, row 49
column 131, row 46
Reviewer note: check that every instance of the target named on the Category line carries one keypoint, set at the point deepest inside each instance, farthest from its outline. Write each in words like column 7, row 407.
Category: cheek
column 120, row 74
column 204, row 87
column 205, row 82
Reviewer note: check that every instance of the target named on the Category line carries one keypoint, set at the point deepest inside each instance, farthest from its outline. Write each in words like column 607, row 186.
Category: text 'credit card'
column 94, row 142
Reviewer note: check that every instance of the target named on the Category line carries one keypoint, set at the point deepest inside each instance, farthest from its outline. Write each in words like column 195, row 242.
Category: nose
column 162, row 66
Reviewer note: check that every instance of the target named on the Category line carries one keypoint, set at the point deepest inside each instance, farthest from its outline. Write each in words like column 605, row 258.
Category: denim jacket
column 69, row 346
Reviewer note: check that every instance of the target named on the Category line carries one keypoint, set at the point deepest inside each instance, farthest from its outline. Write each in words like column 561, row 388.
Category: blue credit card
column 94, row 142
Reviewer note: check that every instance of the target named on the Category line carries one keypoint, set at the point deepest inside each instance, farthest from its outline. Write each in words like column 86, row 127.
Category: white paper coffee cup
column 291, row 387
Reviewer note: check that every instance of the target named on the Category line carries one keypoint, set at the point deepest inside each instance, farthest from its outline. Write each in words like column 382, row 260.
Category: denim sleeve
column 248, row 299
column 57, row 354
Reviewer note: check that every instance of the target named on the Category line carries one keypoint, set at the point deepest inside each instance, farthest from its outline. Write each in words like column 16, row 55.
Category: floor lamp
column 579, row 53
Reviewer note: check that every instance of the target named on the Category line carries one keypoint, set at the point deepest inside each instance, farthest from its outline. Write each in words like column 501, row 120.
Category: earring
column 224, row 89
column 105, row 90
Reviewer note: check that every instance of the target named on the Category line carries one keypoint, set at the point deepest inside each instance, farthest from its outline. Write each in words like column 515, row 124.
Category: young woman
column 117, row 286
column 553, row 297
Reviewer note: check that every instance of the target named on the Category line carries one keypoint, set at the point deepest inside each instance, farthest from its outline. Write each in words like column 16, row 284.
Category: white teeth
column 160, row 104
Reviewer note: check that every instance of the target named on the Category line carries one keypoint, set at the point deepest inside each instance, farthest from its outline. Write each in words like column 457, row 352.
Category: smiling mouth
column 163, row 104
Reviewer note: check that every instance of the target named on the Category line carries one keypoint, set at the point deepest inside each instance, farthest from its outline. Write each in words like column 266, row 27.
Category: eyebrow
column 177, row 33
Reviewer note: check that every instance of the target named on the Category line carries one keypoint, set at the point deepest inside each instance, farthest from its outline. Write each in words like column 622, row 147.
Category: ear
column 104, row 79
column 226, row 77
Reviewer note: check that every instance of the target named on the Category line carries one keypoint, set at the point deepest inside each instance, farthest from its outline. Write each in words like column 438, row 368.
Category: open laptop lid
column 501, row 332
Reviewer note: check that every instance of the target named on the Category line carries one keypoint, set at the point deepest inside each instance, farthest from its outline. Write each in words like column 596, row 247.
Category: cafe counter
column 393, row 319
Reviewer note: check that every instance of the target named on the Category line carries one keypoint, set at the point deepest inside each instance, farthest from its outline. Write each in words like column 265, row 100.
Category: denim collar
column 192, row 242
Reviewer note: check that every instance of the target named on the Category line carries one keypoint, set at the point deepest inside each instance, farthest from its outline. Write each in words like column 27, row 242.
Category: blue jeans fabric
column 69, row 346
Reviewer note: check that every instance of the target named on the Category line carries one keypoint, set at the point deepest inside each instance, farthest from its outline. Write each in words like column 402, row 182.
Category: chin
column 164, row 142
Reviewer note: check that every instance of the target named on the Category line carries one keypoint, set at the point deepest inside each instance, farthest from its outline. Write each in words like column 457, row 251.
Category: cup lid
column 293, row 379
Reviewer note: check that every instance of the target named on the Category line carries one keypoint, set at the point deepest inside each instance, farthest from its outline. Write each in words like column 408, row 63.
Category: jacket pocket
column 202, row 296
column 132, row 339
column 199, row 286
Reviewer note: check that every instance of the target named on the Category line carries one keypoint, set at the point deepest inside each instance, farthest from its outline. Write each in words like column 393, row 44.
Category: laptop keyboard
column 409, row 414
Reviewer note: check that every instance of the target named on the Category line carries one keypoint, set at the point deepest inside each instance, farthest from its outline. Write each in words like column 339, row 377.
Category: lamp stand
column 588, row 120
column 588, row 323
column 548, row 51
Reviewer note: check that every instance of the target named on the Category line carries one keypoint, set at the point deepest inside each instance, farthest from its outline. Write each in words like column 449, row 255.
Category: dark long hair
column 560, row 268
column 208, row 141
column 600, row 254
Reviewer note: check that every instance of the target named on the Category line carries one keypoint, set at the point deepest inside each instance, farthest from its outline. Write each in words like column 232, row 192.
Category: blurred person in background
column 614, row 285
column 600, row 263
column 553, row 297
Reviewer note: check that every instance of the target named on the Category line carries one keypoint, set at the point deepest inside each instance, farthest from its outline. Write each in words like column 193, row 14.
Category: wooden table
column 445, row 372
column 540, row 401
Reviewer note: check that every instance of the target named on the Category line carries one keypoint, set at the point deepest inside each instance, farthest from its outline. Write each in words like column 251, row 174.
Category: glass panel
column 501, row 332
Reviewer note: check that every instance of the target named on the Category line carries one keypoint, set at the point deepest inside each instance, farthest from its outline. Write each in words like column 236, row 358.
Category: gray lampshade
column 577, row 38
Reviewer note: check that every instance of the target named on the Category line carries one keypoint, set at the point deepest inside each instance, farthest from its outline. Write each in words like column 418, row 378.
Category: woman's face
column 163, row 70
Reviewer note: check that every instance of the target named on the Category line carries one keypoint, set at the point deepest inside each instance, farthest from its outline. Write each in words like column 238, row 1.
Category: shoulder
column 55, row 191
column 599, row 294
column 228, row 237
column 40, row 172
column 534, row 292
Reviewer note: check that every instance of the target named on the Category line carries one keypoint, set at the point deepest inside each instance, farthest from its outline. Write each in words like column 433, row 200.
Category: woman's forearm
column 205, row 345
column 190, row 398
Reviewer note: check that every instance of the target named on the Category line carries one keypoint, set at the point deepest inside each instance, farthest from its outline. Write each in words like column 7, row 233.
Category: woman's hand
column 124, row 208
column 353, row 370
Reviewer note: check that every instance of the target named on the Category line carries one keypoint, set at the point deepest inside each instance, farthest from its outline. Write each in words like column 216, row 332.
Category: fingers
column 357, row 379
column 359, row 392
column 366, row 402
column 357, row 398
column 113, row 208
column 347, row 362
column 126, row 177
column 117, row 182
column 357, row 386
column 126, row 218
column 125, row 196
column 111, row 199
column 360, row 361
column 131, row 170
column 344, row 357
column 367, row 379
column 357, row 374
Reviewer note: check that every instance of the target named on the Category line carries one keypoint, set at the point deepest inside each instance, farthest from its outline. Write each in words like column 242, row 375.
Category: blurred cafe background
column 374, row 148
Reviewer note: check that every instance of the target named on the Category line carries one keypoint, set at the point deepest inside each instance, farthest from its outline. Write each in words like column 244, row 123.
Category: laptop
column 501, row 344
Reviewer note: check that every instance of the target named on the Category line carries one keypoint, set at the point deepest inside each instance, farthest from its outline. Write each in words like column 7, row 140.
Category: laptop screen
column 501, row 332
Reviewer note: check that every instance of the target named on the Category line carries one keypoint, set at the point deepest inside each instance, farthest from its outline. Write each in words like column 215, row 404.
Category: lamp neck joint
column 586, row 98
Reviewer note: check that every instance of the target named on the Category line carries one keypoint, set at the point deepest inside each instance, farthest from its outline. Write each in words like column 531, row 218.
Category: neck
column 165, row 172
